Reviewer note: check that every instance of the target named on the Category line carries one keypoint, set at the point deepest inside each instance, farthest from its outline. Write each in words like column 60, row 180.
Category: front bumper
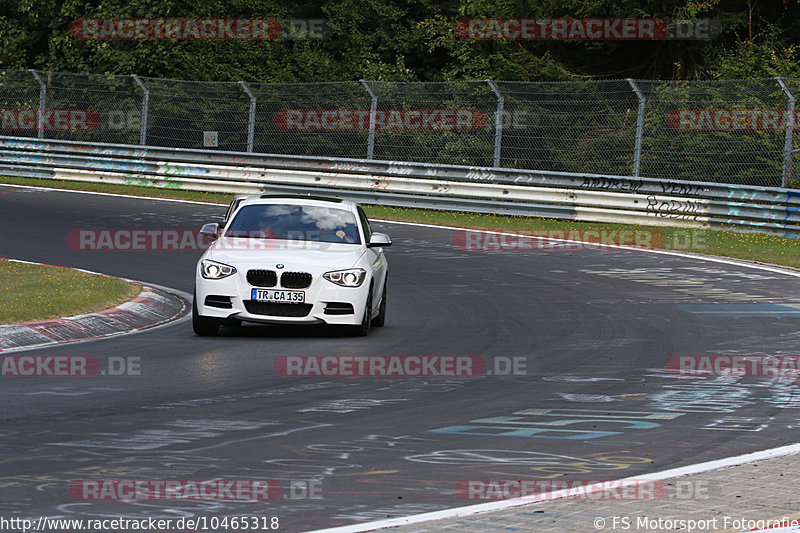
column 325, row 302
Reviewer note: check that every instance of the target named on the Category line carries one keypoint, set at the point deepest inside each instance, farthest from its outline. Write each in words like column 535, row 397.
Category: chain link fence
column 739, row 131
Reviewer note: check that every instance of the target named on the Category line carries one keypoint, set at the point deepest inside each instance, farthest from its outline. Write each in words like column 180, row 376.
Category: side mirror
column 210, row 230
column 378, row 240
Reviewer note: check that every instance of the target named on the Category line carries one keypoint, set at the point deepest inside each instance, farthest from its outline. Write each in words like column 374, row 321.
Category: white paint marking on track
column 481, row 508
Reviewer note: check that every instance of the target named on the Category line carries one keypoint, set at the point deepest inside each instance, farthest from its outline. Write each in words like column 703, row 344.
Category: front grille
column 295, row 280
column 262, row 278
column 339, row 308
column 276, row 309
column 223, row 302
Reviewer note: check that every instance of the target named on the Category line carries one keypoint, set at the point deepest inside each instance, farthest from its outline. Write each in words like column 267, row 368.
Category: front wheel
column 362, row 330
column 380, row 320
column 203, row 325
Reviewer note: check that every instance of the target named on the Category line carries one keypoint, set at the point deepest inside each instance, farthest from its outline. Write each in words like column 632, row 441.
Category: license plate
column 270, row 295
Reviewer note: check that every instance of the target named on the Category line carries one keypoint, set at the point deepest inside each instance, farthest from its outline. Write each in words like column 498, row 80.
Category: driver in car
column 343, row 236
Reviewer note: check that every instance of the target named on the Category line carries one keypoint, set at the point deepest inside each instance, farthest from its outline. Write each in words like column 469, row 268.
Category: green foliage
column 405, row 40
column 569, row 127
column 758, row 60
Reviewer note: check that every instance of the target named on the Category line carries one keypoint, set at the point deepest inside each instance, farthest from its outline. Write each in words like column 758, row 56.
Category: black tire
column 232, row 323
column 362, row 330
column 380, row 320
column 203, row 325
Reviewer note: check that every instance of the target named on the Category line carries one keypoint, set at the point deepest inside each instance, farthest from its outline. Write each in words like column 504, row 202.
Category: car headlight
column 352, row 277
column 213, row 270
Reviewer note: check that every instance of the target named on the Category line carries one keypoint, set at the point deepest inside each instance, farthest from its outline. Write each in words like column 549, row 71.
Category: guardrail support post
column 145, row 107
column 498, row 122
column 637, row 151
column 788, row 143
column 373, row 109
column 251, row 119
column 42, row 97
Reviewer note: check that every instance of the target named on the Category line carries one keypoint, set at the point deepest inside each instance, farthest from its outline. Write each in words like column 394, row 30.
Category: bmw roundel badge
column 279, row 266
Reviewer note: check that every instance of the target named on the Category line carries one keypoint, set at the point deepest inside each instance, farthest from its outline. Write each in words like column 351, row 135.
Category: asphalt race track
column 591, row 332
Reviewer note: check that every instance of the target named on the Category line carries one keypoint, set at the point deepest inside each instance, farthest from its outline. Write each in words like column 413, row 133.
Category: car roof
column 297, row 199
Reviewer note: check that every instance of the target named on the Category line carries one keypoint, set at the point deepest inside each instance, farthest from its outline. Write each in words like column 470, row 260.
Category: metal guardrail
column 581, row 197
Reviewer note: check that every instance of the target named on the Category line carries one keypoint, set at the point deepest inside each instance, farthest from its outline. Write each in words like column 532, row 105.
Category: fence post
column 498, row 122
column 788, row 143
column 251, row 119
column 42, row 97
column 637, row 151
column 373, row 108
column 145, row 107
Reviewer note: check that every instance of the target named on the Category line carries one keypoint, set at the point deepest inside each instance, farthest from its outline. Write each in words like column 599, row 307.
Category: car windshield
column 295, row 222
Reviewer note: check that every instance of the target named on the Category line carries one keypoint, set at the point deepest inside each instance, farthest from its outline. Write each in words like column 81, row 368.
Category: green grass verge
column 753, row 246
column 37, row 292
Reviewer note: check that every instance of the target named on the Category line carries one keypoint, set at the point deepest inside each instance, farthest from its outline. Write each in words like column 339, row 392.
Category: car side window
column 365, row 224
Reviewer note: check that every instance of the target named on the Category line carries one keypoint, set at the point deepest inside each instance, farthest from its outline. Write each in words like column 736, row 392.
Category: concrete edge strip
column 153, row 307
column 481, row 508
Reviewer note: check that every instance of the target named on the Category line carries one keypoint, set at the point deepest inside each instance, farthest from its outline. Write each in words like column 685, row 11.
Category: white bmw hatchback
column 292, row 260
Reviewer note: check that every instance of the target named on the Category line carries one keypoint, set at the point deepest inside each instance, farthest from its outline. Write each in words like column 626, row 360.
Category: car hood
column 293, row 254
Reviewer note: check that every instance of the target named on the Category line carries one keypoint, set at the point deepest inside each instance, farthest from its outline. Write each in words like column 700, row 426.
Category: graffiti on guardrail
column 570, row 196
column 617, row 184
column 675, row 209
column 678, row 188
